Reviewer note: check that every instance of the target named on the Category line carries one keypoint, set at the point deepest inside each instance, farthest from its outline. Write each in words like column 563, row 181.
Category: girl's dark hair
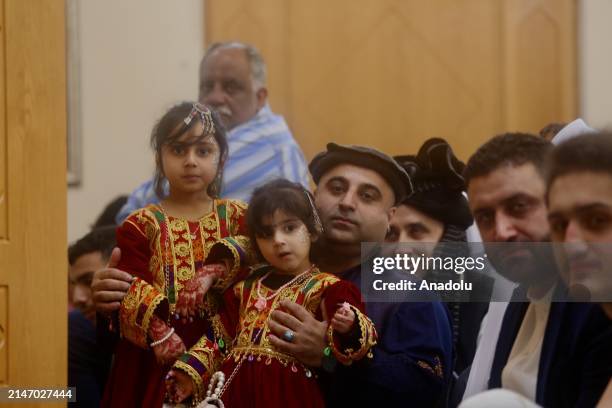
column 283, row 195
column 164, row 134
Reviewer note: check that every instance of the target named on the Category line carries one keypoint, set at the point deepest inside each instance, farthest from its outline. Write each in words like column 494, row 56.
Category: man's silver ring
column 288, row 335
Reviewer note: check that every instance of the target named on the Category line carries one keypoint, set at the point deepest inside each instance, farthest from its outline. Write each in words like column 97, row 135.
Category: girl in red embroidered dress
column 176, row 250
column 283, row 222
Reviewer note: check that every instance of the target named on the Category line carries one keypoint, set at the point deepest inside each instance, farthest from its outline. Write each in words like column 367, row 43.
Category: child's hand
column 170, row 349
column 343, row 319
column 191, row 296
column 179, row 386
column 207, row 275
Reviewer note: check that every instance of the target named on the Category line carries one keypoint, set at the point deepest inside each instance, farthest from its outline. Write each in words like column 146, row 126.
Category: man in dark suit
column 547, row 353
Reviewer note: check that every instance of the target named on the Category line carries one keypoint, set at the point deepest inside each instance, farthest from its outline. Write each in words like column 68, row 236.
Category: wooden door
column 392, row 73
column 33, row 266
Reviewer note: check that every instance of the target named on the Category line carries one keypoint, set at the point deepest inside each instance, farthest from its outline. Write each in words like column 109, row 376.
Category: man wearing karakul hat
column 438, row 211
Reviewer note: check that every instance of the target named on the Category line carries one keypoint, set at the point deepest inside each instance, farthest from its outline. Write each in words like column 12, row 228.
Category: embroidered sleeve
column 200, row 362
column 233, row 245
column 143, row 299
column 205, row 357
column 359, row 342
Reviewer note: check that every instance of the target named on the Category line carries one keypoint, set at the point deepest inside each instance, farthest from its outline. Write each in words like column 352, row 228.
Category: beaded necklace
column 262, row 301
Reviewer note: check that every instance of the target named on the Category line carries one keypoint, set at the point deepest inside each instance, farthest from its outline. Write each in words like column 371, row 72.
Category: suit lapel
column 510, row 326
column 550, row 343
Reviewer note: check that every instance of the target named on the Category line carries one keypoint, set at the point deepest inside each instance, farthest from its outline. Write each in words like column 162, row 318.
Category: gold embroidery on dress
column 182, row 249
column 209, row 223
column 177, row 250
column 130, row 301
column 253, row 321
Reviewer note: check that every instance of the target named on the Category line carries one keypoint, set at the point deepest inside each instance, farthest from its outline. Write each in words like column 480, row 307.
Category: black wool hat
column 365, row 157
column 438, row 183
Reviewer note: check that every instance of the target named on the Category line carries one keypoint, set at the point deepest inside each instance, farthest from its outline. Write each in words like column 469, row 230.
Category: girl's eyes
column 200, row 151
column 285, row 228
column 290, row 227
column 265, row 234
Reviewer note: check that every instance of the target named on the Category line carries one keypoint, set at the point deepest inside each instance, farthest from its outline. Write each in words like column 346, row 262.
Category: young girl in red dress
column 283, row 222
column 176, row 250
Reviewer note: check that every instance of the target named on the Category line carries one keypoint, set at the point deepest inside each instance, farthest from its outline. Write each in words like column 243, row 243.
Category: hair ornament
column 315, row 213
column 205, row 116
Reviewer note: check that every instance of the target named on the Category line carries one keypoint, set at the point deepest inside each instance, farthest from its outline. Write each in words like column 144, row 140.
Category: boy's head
column 85, row 256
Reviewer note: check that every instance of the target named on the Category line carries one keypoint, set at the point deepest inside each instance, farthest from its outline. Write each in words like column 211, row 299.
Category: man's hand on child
column 309, row 333
column 343, row 319
column 110, row 285
column 179, row 386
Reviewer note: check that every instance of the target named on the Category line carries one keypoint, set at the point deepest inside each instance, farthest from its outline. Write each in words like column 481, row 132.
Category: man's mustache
column 344, row 218
column 223, row 110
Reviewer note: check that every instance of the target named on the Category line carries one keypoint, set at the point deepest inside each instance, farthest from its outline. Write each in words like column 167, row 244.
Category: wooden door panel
column 540, row 42
column 393, row 73
column 33, row 272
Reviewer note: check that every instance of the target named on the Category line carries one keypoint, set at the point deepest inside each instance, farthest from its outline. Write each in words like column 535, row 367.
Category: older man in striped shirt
column 261, row 147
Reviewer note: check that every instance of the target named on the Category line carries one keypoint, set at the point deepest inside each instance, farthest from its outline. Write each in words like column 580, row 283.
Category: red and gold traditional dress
column 163, row 253
column 265, row 377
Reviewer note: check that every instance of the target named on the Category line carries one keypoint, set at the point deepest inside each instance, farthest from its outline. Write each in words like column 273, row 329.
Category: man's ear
column 262, row 97
column 391, row 213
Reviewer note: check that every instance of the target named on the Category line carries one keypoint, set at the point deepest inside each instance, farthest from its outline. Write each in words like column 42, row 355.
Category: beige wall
column 595, row 62
column 138, row 57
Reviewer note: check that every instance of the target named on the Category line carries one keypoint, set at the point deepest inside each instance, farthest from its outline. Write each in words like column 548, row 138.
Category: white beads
column 213, row 399
column 217, row 380
column 166, row 337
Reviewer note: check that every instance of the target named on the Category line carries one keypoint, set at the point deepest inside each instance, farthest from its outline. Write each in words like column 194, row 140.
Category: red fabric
column 269, row 383
column 340, row 292
column 259, row 385
column 136, row 379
